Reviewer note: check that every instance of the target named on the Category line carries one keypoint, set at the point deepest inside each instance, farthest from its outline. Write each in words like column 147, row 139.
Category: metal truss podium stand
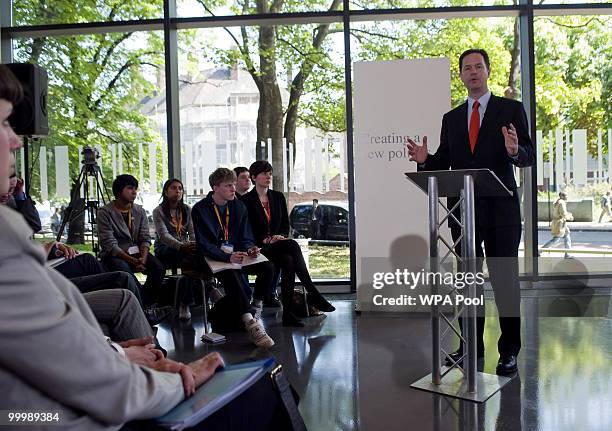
column 460, row 380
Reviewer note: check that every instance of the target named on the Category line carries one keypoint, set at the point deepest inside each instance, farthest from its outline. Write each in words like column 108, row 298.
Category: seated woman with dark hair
column 123, row 233
column 270, row 224
column 175, row 244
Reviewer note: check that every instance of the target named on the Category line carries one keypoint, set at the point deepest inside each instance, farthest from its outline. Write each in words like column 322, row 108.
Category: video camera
column 90, row 156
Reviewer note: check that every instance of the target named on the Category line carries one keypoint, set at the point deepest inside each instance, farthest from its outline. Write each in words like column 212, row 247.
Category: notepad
column 223, row 387
column 213, row 338
column 217, row 266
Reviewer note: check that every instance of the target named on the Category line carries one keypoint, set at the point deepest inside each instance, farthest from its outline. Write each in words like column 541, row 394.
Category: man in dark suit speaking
column 488, row 132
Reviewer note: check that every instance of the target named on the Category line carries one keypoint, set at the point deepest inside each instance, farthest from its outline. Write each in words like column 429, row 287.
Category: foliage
column 394, row 40
column 574, row 75
column 299, row 69
column 95, row 81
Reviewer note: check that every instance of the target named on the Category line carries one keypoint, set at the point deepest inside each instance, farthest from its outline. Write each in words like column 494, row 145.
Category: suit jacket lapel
column 258, row 205
column 463, row 128
column 488, row 122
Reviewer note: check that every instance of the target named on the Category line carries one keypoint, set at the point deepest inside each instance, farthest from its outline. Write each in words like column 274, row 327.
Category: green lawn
column 326, row 261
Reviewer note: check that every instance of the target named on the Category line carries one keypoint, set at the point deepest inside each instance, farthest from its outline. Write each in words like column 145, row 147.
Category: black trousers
column 172, row 258
column 315, row 229
column 501, row 249
column 287, row 256
column 154, row 270
column 236, row 283
column 81, row 265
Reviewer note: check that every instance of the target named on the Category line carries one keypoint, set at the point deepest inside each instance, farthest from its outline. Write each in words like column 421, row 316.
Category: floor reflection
column 354, row 371
column 319, row 360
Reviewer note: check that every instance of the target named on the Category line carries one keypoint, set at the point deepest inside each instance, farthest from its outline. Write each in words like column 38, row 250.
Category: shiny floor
column 353, row 372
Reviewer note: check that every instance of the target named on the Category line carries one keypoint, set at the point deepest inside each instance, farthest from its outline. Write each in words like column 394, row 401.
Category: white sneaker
column 258, row 334
column 184, row 312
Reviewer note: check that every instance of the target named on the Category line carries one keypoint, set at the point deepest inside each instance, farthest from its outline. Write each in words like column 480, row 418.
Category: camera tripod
column 90, row 179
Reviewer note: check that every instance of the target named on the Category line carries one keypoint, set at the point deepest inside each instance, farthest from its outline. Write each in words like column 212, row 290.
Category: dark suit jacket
column 209, row 234
column 490, row 152
column 28, row 210
column 279, row 224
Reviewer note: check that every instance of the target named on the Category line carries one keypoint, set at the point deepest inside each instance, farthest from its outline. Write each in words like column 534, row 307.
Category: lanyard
column 268, row 214
column 226, row 227
column 129, row 219
column 177, row 222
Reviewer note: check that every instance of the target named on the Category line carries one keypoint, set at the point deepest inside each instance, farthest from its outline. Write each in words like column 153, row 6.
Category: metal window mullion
column 6, row 43
column 348, row 93
column 530, row 206
column 173, row 119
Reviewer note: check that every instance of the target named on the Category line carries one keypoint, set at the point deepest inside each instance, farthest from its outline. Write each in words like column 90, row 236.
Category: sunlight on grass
column 328, row 261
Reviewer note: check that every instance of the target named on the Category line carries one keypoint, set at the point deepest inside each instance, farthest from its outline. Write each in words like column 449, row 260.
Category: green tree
column 302, row 50
column 96, row 82
column 574, row 75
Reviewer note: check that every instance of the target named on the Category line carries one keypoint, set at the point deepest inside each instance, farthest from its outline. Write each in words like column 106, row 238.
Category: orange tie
column 474, row 125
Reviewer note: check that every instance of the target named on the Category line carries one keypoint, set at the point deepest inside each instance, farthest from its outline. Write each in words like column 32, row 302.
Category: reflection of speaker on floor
column 29, row 117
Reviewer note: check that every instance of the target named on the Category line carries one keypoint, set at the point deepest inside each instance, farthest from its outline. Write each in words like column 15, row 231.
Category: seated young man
column 223, row 233
column 243, row 180
column 123, row 232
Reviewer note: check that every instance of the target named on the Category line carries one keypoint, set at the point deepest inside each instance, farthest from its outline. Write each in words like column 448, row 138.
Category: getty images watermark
column 452, row 285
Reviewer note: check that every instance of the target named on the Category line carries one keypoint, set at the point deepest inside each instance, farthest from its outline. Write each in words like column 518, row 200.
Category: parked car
column 335, row 220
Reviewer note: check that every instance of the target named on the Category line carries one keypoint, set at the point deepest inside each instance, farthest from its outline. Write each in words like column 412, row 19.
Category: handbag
column 288, row 397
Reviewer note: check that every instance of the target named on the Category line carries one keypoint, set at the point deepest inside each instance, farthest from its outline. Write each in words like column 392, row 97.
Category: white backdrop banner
column 393, row 100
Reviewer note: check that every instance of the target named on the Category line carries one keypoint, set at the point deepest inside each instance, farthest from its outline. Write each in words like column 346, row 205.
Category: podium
column 460, row 380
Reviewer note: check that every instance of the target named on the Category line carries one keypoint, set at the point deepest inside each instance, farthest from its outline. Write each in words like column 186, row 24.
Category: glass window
column 224, row 77
column 103, row 93
column 574, row 122
column 406, row 4
column 35, row 12
column 572, row 1
column 195, row 8
column 415, row 39
column 410, row 39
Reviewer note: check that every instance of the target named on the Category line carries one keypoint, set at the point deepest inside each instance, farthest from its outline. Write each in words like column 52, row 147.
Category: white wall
column 393, row 99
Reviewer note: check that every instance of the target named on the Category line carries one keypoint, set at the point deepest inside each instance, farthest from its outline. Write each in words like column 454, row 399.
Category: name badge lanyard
column 225, row 228
column 178, row 223
column 268, row 215
column 129, row 222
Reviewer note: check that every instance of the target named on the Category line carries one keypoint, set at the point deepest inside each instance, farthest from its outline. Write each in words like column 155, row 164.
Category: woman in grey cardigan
column 175, row 244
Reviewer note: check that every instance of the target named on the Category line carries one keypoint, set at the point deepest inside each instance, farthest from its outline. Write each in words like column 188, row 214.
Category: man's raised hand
column 418, row 153
column 510, row 139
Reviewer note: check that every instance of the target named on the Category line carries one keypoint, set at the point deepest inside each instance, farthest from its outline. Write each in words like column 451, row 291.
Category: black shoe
column 289, row 320
column 317, row 300
column 506, row 365
column 157, row 315
column 272, row 301
column 457, row 354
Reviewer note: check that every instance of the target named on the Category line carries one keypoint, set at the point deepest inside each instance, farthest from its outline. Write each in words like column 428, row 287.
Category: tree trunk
column 297, row 85
column 270, row 100
column 512, row 91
